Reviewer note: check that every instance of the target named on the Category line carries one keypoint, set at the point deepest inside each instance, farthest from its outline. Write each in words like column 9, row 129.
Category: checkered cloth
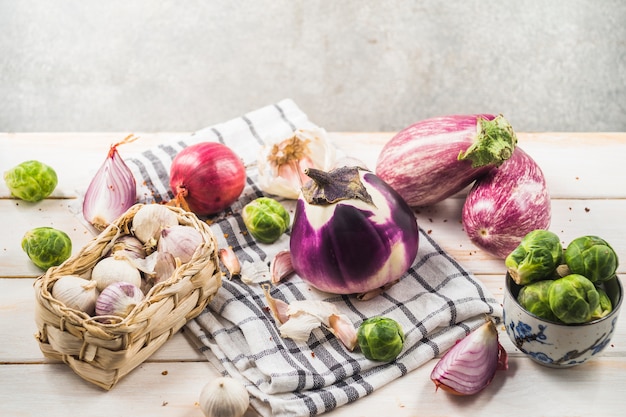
column 437, row 302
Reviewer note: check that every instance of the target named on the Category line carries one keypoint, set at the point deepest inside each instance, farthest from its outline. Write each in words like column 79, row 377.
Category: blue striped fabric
column 437, row 302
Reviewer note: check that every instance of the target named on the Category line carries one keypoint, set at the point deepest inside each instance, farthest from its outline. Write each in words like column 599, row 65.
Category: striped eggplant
column 351, row 232
column 438, row 157
column 506, row 204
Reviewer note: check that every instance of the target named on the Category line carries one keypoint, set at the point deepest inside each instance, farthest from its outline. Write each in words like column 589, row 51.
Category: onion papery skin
column 421, row 162
column 470, row 365
column 350, row 247
column 208, row 176
column 506, row 204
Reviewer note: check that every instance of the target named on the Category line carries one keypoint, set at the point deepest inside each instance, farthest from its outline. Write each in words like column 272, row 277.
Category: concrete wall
column 146, row 65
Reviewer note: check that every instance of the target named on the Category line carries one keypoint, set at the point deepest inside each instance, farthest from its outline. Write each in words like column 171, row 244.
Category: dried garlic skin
column 224, row 397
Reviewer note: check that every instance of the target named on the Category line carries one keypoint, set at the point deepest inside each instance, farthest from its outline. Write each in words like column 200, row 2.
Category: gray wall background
column 142, row 65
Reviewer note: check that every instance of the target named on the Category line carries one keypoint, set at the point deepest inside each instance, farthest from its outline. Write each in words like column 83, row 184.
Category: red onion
column 207, row 177
column 112, row 191
column 470, row 365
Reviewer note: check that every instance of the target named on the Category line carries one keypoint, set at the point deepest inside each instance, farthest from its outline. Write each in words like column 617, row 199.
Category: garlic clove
column 224, row 397
column 341, row 326
column 76, row 292
column 277, row 307
column 230, row 260
column 281, row 266
column 300, row 317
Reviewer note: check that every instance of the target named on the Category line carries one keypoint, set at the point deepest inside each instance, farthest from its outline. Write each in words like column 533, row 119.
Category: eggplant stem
column 494, row 143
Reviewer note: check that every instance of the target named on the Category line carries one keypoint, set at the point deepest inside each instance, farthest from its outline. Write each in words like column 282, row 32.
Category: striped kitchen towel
column 437, row 302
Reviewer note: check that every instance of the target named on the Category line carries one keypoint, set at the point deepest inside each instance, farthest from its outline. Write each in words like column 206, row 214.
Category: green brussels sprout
column 46, row 246
column 573, row 299
column 31, row 180
column 380, row 339
column 536, row 257
column 534, row 299
column 605, row 306
column 266, row 219
column 592, row 257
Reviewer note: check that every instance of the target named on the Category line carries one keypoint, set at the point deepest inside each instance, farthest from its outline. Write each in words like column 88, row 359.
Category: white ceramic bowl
column 559, row 345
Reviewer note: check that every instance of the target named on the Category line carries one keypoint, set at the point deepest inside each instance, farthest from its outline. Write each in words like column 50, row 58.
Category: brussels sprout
column 46, row 246
column 534, row 299
column 573, row 298
column 535, row 258
column 266, row 219
column 380, row 338
column 31, row 180
column 605, row 306
column 592, row 257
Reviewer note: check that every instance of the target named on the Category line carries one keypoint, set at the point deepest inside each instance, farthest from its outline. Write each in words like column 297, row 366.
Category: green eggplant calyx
column 494, row 143
column 331, row 187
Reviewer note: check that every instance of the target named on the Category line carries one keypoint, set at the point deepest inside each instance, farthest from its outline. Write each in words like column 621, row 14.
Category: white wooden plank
column 172, row 389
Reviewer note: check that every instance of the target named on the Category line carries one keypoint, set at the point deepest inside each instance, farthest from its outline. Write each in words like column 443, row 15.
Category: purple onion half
column 350, row 246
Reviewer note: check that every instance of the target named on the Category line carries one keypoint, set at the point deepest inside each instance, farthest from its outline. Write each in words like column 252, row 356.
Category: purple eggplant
column 438, row 157
column 351, row 233
column 506, row 204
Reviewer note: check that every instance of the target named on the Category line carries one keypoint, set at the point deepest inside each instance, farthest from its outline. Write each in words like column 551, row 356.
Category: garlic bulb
column 118, row 299
column 282, row 161
column 180, row 241
column 112, row 269
column 224, row 397
column 76, row 292
column 150, row 220
column 130, row 245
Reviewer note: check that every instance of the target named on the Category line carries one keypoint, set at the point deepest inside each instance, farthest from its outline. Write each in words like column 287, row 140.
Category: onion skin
column 350, row 247
column 207, row 177
column 422, row 162
column 506, row 204
column 470, row 365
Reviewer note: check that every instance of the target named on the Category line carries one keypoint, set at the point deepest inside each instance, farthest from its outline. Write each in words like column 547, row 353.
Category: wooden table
column 585, row 174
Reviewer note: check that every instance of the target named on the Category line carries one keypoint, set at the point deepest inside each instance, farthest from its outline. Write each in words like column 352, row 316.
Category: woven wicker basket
column 103, row 353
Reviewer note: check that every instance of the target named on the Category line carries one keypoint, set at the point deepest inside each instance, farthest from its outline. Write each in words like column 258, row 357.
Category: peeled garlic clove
column 180, row 241
column 76, row 292
column 118, row 299
column 224, row 397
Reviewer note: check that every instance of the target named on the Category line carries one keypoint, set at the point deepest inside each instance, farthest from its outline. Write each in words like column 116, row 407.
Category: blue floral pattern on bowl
column 558, row 345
